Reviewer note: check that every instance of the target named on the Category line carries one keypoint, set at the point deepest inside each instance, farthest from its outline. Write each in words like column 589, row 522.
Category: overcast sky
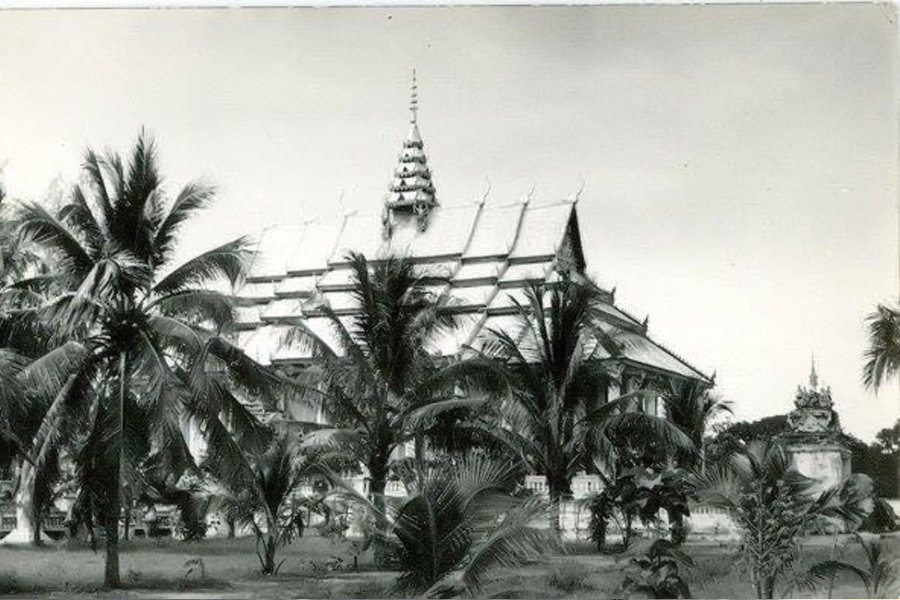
column 739, row 163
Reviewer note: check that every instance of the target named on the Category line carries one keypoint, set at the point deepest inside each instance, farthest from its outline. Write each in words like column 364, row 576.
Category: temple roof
column 490, row 252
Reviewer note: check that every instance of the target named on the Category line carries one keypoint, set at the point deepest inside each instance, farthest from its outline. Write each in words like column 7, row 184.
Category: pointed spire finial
column 813, row 377
column 412, row 191
column 414, row 100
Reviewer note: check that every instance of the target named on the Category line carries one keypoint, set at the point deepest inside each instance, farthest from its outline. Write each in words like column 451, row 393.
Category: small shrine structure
column 814, row 442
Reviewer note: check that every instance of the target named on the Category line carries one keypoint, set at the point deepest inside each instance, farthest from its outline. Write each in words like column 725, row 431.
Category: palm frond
column 823, row 572
column 197, row 306
column 78, row 215
column 417, row 417
column 513, row 541
column 883, row 354
column 38, row 225
column 48, row 373
column 228, row 261
column 192, row 197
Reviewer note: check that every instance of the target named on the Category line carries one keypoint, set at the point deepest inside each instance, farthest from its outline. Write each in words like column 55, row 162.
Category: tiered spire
column 412, row 191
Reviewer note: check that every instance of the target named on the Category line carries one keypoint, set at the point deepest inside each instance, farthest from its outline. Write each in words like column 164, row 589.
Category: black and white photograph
column 442, row 301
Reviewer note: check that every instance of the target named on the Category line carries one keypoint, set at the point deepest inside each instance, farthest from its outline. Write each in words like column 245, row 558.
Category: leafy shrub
column 334, row 529
column 601, row 507
column 568, row 579
column 657, row 573
column 190, row 526
column 883, row 519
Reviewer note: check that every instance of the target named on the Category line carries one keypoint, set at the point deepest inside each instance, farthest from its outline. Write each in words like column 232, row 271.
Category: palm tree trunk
column 419, row 442
column 629, row 522
column 381, row 523
column 36, row 529
column 559, row 492
column 555, row 513
column 377, row 484
column 111, row 572
column 269, row 544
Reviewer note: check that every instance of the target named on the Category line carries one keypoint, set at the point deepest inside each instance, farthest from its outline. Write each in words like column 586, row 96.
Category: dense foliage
column 878, row 459
column 658, row 571
column 379, row 386
column 559, row 419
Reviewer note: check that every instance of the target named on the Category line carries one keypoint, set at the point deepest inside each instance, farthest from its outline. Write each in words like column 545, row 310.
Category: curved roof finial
column 414, row 100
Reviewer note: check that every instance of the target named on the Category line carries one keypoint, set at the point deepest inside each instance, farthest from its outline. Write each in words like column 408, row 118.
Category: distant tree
column 877, row 464
column 888, row 440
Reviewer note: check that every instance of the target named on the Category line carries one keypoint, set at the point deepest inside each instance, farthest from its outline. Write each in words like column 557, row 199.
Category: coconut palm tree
column 556, row 417
column 883, row 354
column 12, row 404
column 380, row 387
column 259, row 491
column 144, row 333
column 693, row 407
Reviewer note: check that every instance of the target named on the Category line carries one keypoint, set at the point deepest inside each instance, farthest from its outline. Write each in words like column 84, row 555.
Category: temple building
column 489, row 251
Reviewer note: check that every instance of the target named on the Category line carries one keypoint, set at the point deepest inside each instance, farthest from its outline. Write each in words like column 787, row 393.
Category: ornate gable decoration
column 813, row 413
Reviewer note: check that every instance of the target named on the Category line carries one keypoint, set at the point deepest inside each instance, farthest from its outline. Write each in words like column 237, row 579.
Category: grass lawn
column 230, row 570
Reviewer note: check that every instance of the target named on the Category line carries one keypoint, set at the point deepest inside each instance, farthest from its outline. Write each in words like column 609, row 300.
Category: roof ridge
column 646, row 334
column 627, row 313
column 676, row 355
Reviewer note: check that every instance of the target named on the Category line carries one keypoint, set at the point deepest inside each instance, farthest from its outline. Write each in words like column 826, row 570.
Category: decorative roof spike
column 412, row 191
column 414, row 100
column 813, row 377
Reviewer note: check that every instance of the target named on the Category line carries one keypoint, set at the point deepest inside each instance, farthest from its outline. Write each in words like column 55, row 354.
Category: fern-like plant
column 876, row 575
column 460, row 522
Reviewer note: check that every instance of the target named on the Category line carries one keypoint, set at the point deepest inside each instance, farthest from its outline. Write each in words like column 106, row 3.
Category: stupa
column 814, row 442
